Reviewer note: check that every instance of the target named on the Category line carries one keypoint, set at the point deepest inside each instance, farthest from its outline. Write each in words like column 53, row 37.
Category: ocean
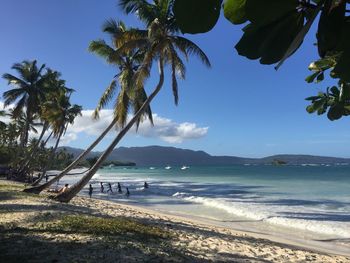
column 304, row 200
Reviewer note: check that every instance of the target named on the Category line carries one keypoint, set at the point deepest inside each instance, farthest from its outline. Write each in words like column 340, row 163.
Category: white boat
column 152, row 168
column 184, row 167
column 167, row 167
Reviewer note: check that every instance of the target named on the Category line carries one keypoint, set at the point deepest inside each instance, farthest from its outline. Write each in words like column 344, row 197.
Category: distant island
column 278, row 162
column 160, row 156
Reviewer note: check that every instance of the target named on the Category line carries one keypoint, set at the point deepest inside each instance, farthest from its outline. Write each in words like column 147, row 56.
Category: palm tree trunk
column 47, row 139
column 35, row 148
column 49, row 163
column 38, row 189
column 76, row 188
column 45, row 127
column 27, row 126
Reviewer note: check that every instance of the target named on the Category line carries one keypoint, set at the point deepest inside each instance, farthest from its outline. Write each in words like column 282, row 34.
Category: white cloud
column 67, row 138
column 164, row 128
column 170, row 131
column 86, row 124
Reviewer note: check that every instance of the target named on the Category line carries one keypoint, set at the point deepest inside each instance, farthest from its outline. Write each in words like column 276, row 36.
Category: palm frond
column 121, row 108
column 101, row 48
column 18, row 109
column 131, row 45
column 137, row 57
column 38, row 73
column 144, row 70
column 113, row 27
column 13, row 80
column 129, row 35
column 179, row 66
column 187, row 47
column 73, row 112
column 12, row 95
column 138, row 101
column 106, row 97
column 175, row 63
column 144, row 10
column 22, row 69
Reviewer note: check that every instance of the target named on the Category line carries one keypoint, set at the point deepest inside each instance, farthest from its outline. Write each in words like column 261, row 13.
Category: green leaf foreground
column 275, row 29
column 234, row 11
column 195, row 16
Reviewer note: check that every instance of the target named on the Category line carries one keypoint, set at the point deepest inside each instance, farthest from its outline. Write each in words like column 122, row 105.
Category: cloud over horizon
column 164, row 129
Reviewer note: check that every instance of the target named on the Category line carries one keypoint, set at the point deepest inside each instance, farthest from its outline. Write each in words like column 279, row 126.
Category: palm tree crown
column 59, row 113
column 28, row 91
column 161, row 41
column 127, row 62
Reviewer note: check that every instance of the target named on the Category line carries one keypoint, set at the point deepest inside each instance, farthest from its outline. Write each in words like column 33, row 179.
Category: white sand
column 204, row 242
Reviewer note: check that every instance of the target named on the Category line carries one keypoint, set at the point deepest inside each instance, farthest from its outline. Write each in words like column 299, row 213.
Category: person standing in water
column 145, row 185
column 109, row 188
column 102, row 187
column 127, row 192
column 119, row 188
column 90, row 190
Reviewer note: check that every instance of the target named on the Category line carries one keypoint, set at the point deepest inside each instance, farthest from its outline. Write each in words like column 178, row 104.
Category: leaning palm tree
column 127, row 62
column 28, row 90
column 160, row 44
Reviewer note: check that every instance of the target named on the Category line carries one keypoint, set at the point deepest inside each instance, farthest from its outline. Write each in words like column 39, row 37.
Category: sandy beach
column 40, row 230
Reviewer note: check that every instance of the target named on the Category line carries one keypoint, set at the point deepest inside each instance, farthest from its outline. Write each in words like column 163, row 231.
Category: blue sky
column 238, row 107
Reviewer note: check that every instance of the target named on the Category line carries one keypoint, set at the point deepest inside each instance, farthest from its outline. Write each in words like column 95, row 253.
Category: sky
column 238, row 107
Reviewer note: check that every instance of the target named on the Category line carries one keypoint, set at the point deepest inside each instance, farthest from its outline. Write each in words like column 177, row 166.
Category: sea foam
column 310, row 222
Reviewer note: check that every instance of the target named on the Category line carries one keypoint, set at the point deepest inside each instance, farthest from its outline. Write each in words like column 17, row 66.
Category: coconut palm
column 53, row 86
column 127, row 63
column 160, row 44
column 28, row 90
column 59, row 113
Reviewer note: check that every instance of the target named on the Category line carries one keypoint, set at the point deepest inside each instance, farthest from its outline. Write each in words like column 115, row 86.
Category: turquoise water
column 308, row 198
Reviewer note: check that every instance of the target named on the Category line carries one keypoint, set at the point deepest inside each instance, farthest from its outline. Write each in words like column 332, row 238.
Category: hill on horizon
column 160, row 156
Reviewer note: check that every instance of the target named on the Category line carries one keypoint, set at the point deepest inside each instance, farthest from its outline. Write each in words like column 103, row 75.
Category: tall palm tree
column 53, row 87
column 59, row 113
column 28, row 90
column 127, row 63
column 161, row 44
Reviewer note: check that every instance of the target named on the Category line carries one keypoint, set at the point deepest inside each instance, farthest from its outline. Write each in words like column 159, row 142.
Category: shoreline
column 318, row 246
column 38, row 222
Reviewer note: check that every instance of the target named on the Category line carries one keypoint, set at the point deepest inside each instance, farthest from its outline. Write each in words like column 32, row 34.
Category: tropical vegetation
column 38, row 99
